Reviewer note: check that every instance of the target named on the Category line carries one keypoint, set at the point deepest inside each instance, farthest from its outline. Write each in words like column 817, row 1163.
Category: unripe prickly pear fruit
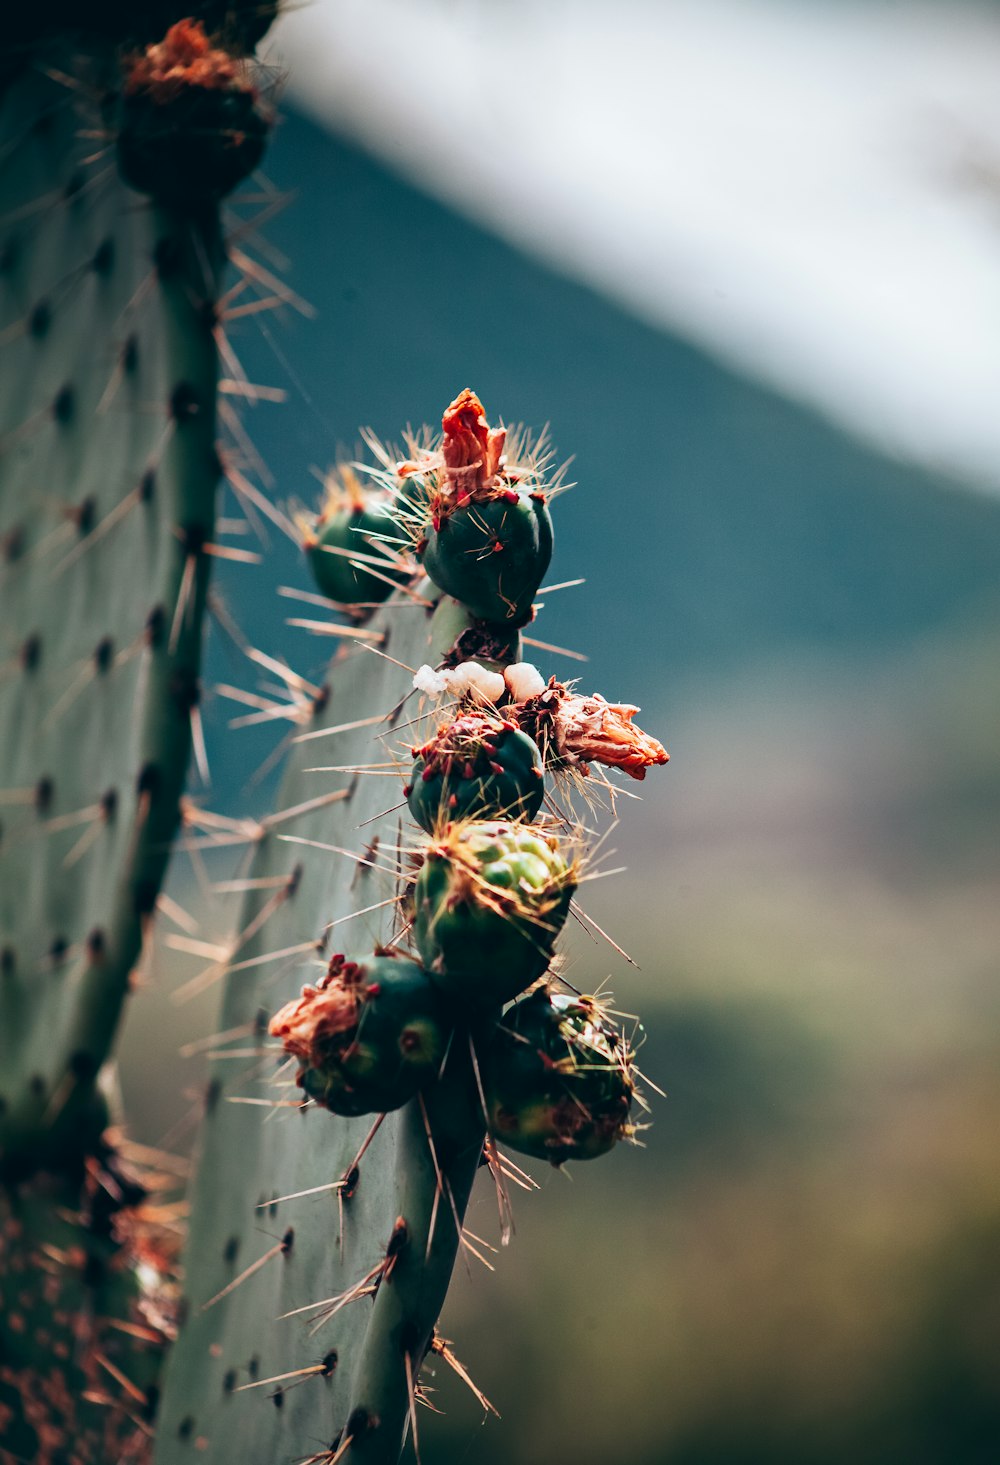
column 191, row 125
column 344, row 543
column 558, row 1078
column 489, row 902
column 489, row 541
column 369, row 1035
column 475, row 767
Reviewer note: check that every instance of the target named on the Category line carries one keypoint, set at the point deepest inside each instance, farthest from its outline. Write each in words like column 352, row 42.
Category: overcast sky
column 810, row 190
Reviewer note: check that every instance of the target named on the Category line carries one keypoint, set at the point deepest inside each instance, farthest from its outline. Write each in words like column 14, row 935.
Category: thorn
column 281, row 1248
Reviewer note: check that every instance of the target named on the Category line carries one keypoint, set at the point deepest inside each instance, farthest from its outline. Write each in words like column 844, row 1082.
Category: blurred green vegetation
column 802, row 1263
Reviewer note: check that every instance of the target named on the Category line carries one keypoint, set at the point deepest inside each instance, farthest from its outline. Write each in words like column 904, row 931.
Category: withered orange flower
column 307, row 1024
column 185, row 57
column 472, row 450
column 591, row 730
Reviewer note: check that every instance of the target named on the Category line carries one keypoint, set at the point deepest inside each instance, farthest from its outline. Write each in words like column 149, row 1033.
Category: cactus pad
column 558, row 1077
column 490, row 900
column 475, row 767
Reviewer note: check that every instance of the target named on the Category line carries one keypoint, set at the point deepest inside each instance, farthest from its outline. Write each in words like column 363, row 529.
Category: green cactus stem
column 489, row 901
column 489, row 539
column 475, row 767
column 369, row 1034
column 559, row 1078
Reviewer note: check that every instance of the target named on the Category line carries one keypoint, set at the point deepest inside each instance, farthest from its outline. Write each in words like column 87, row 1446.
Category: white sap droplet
column 524, row 680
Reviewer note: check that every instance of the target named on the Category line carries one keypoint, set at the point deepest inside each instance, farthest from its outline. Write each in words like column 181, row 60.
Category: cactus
column 345, row 1121
column 108, row 482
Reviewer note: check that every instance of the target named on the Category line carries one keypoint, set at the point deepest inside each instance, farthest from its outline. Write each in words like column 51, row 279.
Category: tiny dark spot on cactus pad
column 58, row 950
column 166, row 257
column 185, row 402
column 213, row 1089
column 8, row 961
column 109, row 804
column 13, row 544
column 409, row 1338
column 149, row 779
column 279, row 1398
column 44, row 791
column 294, row 880
column 96, row 944
column 83, row 1066
column 156, row 623
column 192, row 536
column 130, row 355
column 253, row 1367
column 144, row 894
column 360, row 1422
column 104, row 257
column 103, row 653
column 287, row 1240
column 63, row 405
column 320, row 700
column 330, row 1361
column 84, row 516
column 147, row 486
column 230, row 1250
column 186, row 1428
column 31, row 650
column 229, row 1381
column 40, row 319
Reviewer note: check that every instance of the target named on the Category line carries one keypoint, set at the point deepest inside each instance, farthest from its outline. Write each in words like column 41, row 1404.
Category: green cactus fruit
column 492, row 555
column 369, row 1035
column 475, row 767
column 558, row 1078
column 191, row 126
column 489, row 902
column 346, row 544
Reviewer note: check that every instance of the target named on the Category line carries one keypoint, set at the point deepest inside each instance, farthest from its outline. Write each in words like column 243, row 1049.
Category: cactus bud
column 344, row 544
column 489, row 901
column 558, row 1077
column 490, row 537
column 475, row 768
column 369, row 1035
column 191, row 125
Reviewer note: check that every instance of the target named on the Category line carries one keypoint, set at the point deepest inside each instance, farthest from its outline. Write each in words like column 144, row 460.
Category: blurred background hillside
column 743, row 258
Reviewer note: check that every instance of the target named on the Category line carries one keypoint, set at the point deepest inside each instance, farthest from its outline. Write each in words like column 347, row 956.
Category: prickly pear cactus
column 291, row 1233
column 337, row 1161
column 108, row 481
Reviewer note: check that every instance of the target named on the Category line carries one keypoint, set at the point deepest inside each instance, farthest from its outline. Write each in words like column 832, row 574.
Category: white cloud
column 779, row 182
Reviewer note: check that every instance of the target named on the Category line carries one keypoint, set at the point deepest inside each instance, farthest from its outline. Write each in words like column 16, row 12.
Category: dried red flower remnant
column 184, row 58
column 307, row 1024
column 472, row 450
column 591, row 730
